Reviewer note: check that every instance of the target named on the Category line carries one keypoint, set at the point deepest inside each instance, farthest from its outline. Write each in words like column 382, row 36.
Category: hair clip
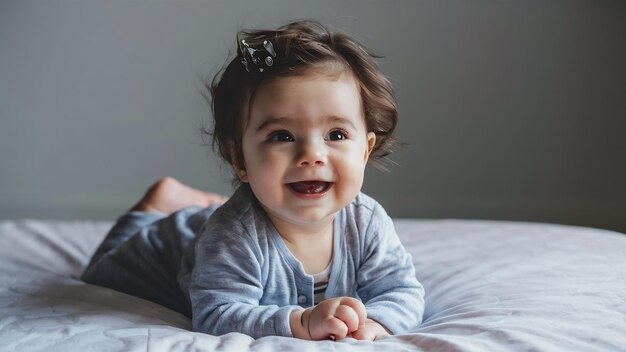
column 261, row 57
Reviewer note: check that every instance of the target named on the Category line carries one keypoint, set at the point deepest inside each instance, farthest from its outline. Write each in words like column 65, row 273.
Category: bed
column 490, row 286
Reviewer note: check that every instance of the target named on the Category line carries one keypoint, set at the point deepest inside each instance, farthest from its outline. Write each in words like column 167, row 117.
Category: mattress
column 490, row 286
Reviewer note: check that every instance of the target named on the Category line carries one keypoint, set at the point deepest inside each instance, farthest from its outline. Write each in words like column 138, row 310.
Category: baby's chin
column 302, row 216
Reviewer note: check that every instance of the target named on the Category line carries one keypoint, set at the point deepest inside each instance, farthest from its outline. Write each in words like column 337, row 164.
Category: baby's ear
column 371, row 142
column 238, row 166
column 241, row 173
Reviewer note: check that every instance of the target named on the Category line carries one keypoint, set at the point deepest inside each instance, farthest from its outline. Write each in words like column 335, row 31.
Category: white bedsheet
column 490, row 286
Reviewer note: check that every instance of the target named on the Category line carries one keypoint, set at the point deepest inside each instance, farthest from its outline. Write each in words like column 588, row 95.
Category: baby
column 297, row 250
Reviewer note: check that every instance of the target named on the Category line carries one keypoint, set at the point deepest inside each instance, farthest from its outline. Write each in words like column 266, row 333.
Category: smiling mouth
column 310, row 187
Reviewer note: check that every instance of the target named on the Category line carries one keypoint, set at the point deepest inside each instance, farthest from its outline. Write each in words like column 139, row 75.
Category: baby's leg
column 162, row 199
column 169, row 195
column 141, row 254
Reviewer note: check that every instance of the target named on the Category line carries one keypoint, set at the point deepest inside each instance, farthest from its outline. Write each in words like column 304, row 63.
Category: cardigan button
column 302, row 299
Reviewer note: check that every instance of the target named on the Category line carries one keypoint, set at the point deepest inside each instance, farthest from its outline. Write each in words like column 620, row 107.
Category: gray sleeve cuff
column 282, row 326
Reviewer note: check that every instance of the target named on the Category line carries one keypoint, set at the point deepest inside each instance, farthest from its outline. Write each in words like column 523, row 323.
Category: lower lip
column 310, row 196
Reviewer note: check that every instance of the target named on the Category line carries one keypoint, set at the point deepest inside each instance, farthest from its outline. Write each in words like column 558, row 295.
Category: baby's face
column 305, row 147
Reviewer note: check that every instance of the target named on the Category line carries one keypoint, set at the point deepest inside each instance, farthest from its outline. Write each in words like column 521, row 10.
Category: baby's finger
column 358, row 307
column 336, row 328
column 364, row 333
column 348, row 316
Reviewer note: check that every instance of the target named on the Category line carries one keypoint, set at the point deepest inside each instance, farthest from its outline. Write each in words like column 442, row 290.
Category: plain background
column 511, row 109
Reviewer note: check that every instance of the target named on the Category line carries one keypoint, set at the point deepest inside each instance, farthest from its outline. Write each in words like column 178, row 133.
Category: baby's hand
column 334, row 318
column 370, row 330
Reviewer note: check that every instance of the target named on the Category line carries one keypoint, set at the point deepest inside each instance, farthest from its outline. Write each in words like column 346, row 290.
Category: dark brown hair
column 300, row 46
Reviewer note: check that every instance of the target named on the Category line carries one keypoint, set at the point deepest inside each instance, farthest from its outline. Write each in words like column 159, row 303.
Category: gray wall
column 511, row 109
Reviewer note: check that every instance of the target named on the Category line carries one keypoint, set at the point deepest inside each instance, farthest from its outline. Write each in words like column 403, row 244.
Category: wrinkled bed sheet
column 490, row 286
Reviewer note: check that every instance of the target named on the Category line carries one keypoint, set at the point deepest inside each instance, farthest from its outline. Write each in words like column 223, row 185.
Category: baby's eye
column 338, row 135
column 281, row 136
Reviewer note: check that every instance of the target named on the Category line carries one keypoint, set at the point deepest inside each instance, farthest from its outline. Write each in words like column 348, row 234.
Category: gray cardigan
column 241, row 277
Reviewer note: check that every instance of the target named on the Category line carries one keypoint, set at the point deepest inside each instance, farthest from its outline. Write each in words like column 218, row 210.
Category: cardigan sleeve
column 225, row 286
column 386, row 278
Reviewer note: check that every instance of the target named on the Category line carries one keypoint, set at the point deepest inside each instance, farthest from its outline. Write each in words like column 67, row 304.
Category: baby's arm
column 393, row 297
column 226, row 285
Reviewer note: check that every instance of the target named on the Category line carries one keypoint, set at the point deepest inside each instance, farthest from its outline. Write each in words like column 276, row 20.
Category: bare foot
column 168, row 195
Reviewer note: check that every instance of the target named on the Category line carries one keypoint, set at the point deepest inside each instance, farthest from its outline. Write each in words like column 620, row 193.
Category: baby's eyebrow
column 273, row 120
column 285, row 121
column 340, row 120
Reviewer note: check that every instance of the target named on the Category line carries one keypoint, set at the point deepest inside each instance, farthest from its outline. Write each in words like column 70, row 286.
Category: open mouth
column 310, row 187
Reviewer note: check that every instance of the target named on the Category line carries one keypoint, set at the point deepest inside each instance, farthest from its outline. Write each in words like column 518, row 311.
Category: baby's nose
column 312, row 154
